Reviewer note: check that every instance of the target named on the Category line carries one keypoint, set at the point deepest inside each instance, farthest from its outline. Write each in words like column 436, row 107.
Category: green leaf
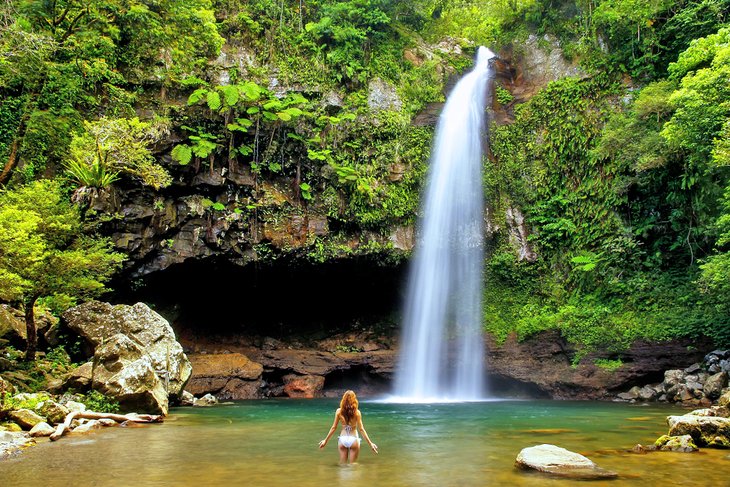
column 197, row 95
column 214, row 100
column 251, row 90
column 182, row 153
column 231, row 94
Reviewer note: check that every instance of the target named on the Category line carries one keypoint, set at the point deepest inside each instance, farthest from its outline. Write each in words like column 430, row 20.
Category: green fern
column 182, row 153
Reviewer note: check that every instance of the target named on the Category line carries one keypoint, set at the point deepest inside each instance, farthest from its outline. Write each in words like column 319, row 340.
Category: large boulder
column 25, row 418
column 52, row 411
column 12, row 326
column 126, row 373
column 710, row 431
column 97, row 322
column 715, row 384
column 6, row 386
column 226, row 375
column 80, row 378
column 683, row 443
column 560, row 462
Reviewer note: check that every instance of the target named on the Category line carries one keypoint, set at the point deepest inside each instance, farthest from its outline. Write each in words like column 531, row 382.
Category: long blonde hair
column 348, row 406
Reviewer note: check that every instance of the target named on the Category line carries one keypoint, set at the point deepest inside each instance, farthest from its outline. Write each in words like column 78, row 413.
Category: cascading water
column 441, row 354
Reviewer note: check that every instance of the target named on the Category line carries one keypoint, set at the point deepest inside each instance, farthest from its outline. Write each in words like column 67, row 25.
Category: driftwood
column 119, row 418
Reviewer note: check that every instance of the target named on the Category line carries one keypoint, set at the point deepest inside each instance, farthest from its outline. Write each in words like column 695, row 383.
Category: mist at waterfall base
column 442, row 349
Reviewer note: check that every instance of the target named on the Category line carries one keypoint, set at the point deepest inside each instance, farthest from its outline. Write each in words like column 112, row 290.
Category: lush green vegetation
column 624, row 191
column 45, row 252
column 622, row 175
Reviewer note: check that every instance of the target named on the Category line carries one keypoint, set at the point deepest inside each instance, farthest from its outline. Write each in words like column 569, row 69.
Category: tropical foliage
column 621, row 174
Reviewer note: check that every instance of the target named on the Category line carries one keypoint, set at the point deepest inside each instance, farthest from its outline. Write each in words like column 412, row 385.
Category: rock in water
column 560, row 462
column 187, row 399
column 207, row 400
column 709, row 431
column 89, row 426
column 683, row 443
column 97, row 322
column 125, row 372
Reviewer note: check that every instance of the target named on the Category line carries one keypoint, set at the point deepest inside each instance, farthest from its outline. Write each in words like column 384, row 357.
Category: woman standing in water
column 348, row 442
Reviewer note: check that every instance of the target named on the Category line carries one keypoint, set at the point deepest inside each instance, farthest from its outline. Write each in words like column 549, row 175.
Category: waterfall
column 441, row 352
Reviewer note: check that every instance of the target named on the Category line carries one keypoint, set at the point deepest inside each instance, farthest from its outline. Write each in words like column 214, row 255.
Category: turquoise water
column 274, row 443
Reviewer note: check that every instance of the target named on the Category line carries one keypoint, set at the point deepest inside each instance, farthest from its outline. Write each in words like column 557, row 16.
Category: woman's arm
column 360, row 426
column 332, row 429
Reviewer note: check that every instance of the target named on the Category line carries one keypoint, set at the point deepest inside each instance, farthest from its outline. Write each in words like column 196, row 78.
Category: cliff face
column 235, row 211
column 240, row 258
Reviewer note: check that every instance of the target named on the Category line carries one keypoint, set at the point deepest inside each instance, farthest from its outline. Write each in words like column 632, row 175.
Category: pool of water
column 274, row 442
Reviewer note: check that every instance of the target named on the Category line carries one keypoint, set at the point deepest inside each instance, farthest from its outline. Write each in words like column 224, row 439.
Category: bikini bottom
column 348, row 441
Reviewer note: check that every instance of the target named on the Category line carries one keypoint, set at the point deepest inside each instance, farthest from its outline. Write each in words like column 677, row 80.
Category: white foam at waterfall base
column 442, row 347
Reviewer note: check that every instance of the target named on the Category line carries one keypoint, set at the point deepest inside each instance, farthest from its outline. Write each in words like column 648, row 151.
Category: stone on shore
column 97, row 322
column 126, row 373
column 53, row 412
column 89, row 426
column 560, row 462
column 41, row 429
column 80, row 378
column 13, row 442
column 715, row 384
column 75, row 406
column 25, row 418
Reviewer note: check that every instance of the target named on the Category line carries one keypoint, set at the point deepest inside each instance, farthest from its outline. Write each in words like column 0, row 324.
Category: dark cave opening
column 282, row 300
column 360, row 378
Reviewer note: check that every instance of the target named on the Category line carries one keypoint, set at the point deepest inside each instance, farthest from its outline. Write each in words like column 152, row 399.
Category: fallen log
column 119, row 418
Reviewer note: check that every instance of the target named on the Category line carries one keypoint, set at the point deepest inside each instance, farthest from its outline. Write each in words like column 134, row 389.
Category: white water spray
column 442, row 356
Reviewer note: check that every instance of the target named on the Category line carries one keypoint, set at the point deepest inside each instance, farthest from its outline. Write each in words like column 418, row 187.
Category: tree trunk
column 30, row 328
column 10, row 165
column 119, row 418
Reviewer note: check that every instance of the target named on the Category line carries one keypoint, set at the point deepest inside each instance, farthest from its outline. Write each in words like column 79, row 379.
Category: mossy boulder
column 712, row 431
column 53, row 412
column 25, row 418
column 682, row 443
column 724, row 399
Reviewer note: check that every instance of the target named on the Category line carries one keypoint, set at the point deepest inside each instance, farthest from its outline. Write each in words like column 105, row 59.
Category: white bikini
column 348, row 439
